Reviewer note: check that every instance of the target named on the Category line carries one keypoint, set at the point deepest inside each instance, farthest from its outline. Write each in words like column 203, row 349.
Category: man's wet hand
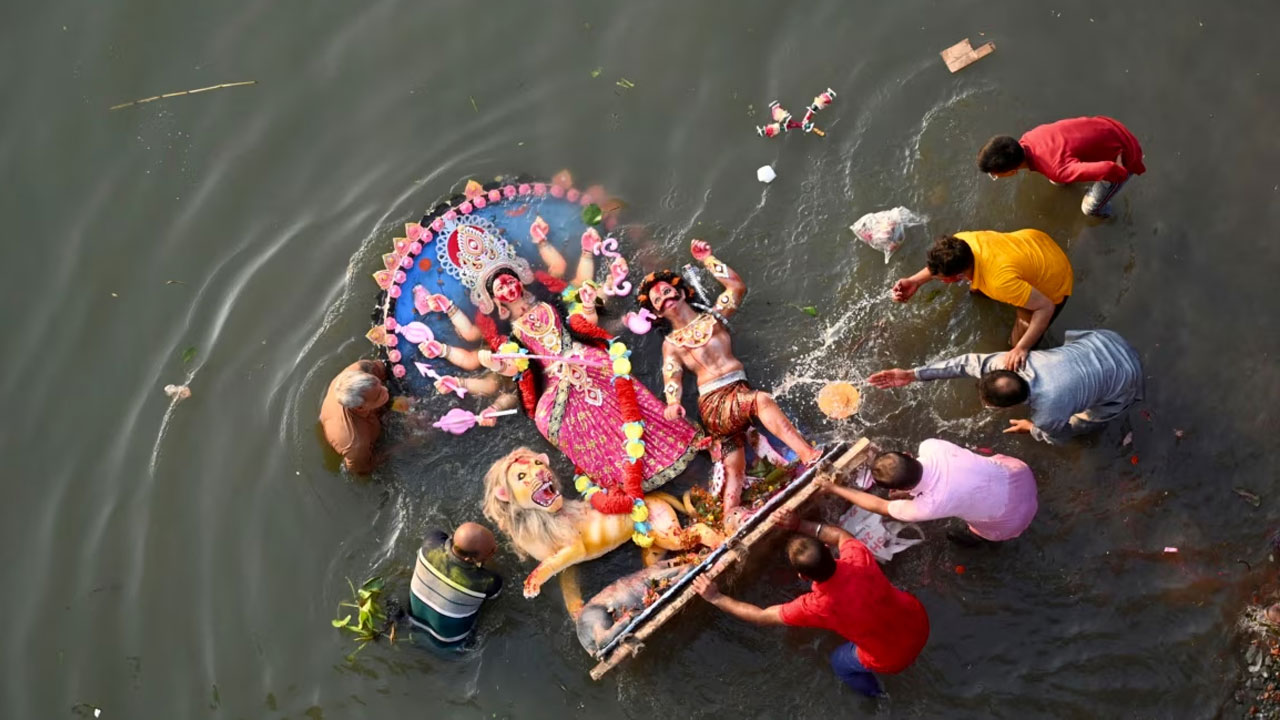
column 1015, row 359
column 707, row 589
column 903, row 290
column 786, row 518
column 1019, row 426
column 896, row 377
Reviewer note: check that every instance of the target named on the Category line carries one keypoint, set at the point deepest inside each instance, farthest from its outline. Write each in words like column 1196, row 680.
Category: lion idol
column 522, row 497
column 700, row 342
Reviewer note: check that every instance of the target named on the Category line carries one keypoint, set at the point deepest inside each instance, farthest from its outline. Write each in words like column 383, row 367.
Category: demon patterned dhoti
column 727, row 406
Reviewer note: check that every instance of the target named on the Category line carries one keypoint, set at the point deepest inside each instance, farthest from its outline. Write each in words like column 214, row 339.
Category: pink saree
column 579, row 413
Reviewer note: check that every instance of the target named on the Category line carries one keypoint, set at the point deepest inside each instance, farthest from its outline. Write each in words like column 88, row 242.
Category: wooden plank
column 738, row 550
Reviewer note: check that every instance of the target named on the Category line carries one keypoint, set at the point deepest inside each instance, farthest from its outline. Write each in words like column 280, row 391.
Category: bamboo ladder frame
column 739, row 550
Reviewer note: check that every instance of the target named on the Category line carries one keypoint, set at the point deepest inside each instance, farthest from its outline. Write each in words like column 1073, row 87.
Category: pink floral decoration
column 480, row 202
column 390, row 324
column 393, row 356
column 394, row 291
column 509, row 191
column 437, row 224
column 495, row 195
column 398, row 370
column 525, row 189
column 539, row 189
column 557, row 191
column 465, row 208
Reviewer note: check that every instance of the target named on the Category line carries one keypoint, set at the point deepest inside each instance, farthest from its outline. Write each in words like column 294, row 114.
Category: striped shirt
column 446, row 592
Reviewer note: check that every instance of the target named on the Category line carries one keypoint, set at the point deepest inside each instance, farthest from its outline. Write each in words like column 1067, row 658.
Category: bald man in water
column 450, row 583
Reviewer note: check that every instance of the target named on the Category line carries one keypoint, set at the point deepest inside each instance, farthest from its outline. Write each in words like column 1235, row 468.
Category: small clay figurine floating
column 784, row 121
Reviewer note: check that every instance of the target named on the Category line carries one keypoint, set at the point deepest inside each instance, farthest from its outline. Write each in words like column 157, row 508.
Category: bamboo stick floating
column 183, row 92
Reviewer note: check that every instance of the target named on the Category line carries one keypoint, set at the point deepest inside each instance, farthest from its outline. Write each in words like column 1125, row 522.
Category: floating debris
column 183, row 92
column 1251, row 498
column 962, row 54
column 839, row 400
column 766, row 174
column 177, row 392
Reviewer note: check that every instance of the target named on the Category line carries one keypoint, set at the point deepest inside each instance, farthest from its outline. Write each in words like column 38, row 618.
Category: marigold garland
column 631, row 499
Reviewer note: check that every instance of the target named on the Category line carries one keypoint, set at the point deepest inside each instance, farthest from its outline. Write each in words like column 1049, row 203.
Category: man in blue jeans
column 886, row 627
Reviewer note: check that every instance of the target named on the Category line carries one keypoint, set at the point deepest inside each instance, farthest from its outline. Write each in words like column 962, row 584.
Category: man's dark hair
column 896, row 471
column 1001, row 154
column 810, row 558
column 949, row 256
column 1003, row 388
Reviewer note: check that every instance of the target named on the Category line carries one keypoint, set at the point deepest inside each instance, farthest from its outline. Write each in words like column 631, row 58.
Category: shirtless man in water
column 700, row 342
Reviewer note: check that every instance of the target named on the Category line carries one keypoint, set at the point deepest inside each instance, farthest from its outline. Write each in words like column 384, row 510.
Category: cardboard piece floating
column 962, row 54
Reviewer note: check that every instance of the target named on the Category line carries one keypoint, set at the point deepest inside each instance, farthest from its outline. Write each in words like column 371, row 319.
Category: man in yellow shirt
column 1025, row 269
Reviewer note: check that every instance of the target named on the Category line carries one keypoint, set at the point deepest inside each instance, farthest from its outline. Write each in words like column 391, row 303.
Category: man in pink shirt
column 1097, row 149
column 995, row 495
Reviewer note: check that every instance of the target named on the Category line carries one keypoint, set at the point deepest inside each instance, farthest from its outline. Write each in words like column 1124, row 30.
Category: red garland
column 549, row 281
column 581, row 325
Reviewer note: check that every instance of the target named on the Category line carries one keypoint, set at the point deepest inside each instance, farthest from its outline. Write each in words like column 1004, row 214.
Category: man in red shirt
column 1097, row 149
column 886, row 627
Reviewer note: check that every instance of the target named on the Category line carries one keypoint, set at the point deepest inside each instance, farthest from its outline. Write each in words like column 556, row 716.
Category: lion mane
column 534, row 532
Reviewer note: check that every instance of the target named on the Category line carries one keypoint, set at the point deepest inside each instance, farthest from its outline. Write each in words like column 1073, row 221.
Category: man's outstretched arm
column 745, row 611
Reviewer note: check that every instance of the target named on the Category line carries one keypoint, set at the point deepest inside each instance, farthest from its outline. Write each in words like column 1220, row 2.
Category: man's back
column 1083, row 148
column 446, row 592
column 1007, row 265
column 1092, row 368
column 349, row 433
column 983, row 491
column 889, row 626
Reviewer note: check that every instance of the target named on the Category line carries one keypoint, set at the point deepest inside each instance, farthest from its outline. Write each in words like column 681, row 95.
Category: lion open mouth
column 545, row 494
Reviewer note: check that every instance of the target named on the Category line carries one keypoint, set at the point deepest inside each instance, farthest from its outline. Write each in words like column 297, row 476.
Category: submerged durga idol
column 460, row 287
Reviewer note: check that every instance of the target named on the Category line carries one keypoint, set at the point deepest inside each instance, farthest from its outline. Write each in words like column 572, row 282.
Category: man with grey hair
column 349, row 413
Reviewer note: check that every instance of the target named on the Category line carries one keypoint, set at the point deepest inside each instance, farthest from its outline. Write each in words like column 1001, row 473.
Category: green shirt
column 446, row 592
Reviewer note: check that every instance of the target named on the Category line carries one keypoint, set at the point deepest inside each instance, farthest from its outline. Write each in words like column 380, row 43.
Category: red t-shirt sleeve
column 797, row 613
column 852, row 550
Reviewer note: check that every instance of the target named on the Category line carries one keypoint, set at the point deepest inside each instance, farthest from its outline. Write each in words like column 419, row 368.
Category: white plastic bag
column 881, row 535
column 884, row 230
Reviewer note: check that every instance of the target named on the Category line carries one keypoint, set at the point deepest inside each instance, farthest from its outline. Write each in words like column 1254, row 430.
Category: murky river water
column 185, row 562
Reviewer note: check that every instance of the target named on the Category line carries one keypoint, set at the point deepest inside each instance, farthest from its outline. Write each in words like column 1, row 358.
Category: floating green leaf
column 625, row 83
column 596, row 73
column 809, row 310
column 592, row 214
column 371, row 618
column 473, row 103
column 189, row 354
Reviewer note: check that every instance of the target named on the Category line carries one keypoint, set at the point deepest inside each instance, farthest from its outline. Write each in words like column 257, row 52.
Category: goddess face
column 662, row 295
column 507, row 289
